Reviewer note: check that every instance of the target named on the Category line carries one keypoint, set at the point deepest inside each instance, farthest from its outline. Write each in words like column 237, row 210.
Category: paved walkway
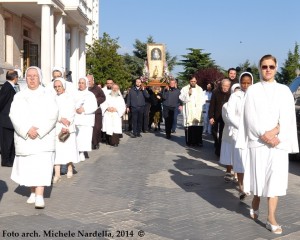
column 147, row 188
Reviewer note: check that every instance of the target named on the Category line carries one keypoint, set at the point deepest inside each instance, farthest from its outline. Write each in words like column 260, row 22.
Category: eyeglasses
column 32, row 76
column 57, row 87
column 265, row 67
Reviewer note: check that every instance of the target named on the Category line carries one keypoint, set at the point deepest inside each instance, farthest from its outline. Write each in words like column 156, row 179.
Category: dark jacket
column 218, row 98
column 100, row 96
column 171, row 97
column 155, row 101
column 7, row 94
column 136, row 97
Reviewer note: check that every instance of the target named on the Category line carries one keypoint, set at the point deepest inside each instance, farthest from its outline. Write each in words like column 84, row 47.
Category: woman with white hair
column 34, row 114
column 86, row 105
column 66, row 151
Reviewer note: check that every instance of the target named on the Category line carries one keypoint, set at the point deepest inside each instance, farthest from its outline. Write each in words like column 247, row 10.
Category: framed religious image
column 156, row 60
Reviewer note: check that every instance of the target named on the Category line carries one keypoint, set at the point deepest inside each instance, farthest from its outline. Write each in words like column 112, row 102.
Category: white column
column 82, row 57
column 9, row 41
column 46, row 44
column 63, row 42
column 74, row 53
column 58, row 41
column 52, row 39
column 9, row 48
column 2, row 36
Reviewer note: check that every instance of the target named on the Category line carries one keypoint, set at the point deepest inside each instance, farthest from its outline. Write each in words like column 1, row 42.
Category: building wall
column 14, row 19
column 11, row 40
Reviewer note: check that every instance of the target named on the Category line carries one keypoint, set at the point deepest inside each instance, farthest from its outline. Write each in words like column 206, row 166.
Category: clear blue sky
column 232, row 31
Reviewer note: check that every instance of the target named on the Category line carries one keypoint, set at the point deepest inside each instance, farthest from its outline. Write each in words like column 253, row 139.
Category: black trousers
column 217, row 132
column 193, row 135
column 96, row 138
column 114, row 139
column 7, row 146
column 137, row 119
column 146, row 117
column 168, row 113
column 129, row 122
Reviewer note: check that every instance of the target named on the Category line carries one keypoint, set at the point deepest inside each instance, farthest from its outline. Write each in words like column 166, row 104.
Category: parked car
column 297, row 109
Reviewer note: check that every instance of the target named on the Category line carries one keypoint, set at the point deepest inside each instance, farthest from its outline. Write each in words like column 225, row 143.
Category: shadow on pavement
column 208, row 183
column 25, row 191
column 3, row 189
column 294, row 167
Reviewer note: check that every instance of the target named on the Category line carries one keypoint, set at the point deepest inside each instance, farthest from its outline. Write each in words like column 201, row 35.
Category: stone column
column 46, row 44
column 9, row 42
column 52, row 39
column 63, row 42
column 74, row 54
column 58, row 41
column 82, row 56
column 2, row 36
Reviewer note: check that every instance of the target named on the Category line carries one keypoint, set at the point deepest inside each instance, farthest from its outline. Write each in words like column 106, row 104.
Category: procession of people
column 253, row 126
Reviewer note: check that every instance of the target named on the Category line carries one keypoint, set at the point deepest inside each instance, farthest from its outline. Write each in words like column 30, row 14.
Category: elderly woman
column 113, row 109
column 86, row 105
column 34, row 114
column 66, row 151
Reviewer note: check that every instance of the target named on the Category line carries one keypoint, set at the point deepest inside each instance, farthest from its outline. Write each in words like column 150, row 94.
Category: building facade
column 47, row 33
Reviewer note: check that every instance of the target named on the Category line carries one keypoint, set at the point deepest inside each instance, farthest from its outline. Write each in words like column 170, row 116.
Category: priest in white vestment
column 268, row 129
column 113, row 109
column 34, row 114
column 192, row 97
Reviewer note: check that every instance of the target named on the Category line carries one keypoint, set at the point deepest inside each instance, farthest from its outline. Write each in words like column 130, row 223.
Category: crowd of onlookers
column 58, row 123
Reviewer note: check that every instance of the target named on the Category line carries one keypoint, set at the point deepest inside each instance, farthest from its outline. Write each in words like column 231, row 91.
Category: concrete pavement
column 147, row 188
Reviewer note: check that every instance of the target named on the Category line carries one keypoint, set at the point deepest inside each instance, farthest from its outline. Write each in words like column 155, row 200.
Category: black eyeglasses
column 265, row 67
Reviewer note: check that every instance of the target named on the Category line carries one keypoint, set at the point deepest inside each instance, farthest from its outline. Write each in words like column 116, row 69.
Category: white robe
column 207, row 98
column 33, row 165
column 66, row 151
column 85, row 121
column 192, row 106
column 234, row 112
column 112, row 121
column 266, row 170
column 227, row 140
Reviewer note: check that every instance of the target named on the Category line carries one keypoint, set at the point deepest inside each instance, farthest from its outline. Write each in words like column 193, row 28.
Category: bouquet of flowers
column 145, row 77
column 167, row 75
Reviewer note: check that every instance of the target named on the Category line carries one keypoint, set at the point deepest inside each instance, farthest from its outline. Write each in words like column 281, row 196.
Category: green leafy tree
column 291, row 64
column 103, row 61
column 140, row 48
column 134, row 66
column 248, row 67
column 194, row 61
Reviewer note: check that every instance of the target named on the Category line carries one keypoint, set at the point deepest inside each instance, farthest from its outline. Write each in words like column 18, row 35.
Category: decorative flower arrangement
column 145, row 77
column 167, row 75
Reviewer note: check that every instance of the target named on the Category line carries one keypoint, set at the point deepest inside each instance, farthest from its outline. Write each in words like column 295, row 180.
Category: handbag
column 63, row 136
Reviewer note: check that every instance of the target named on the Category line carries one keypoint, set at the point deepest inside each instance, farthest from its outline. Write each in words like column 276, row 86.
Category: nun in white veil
column 66, row 152
column 34, row 114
